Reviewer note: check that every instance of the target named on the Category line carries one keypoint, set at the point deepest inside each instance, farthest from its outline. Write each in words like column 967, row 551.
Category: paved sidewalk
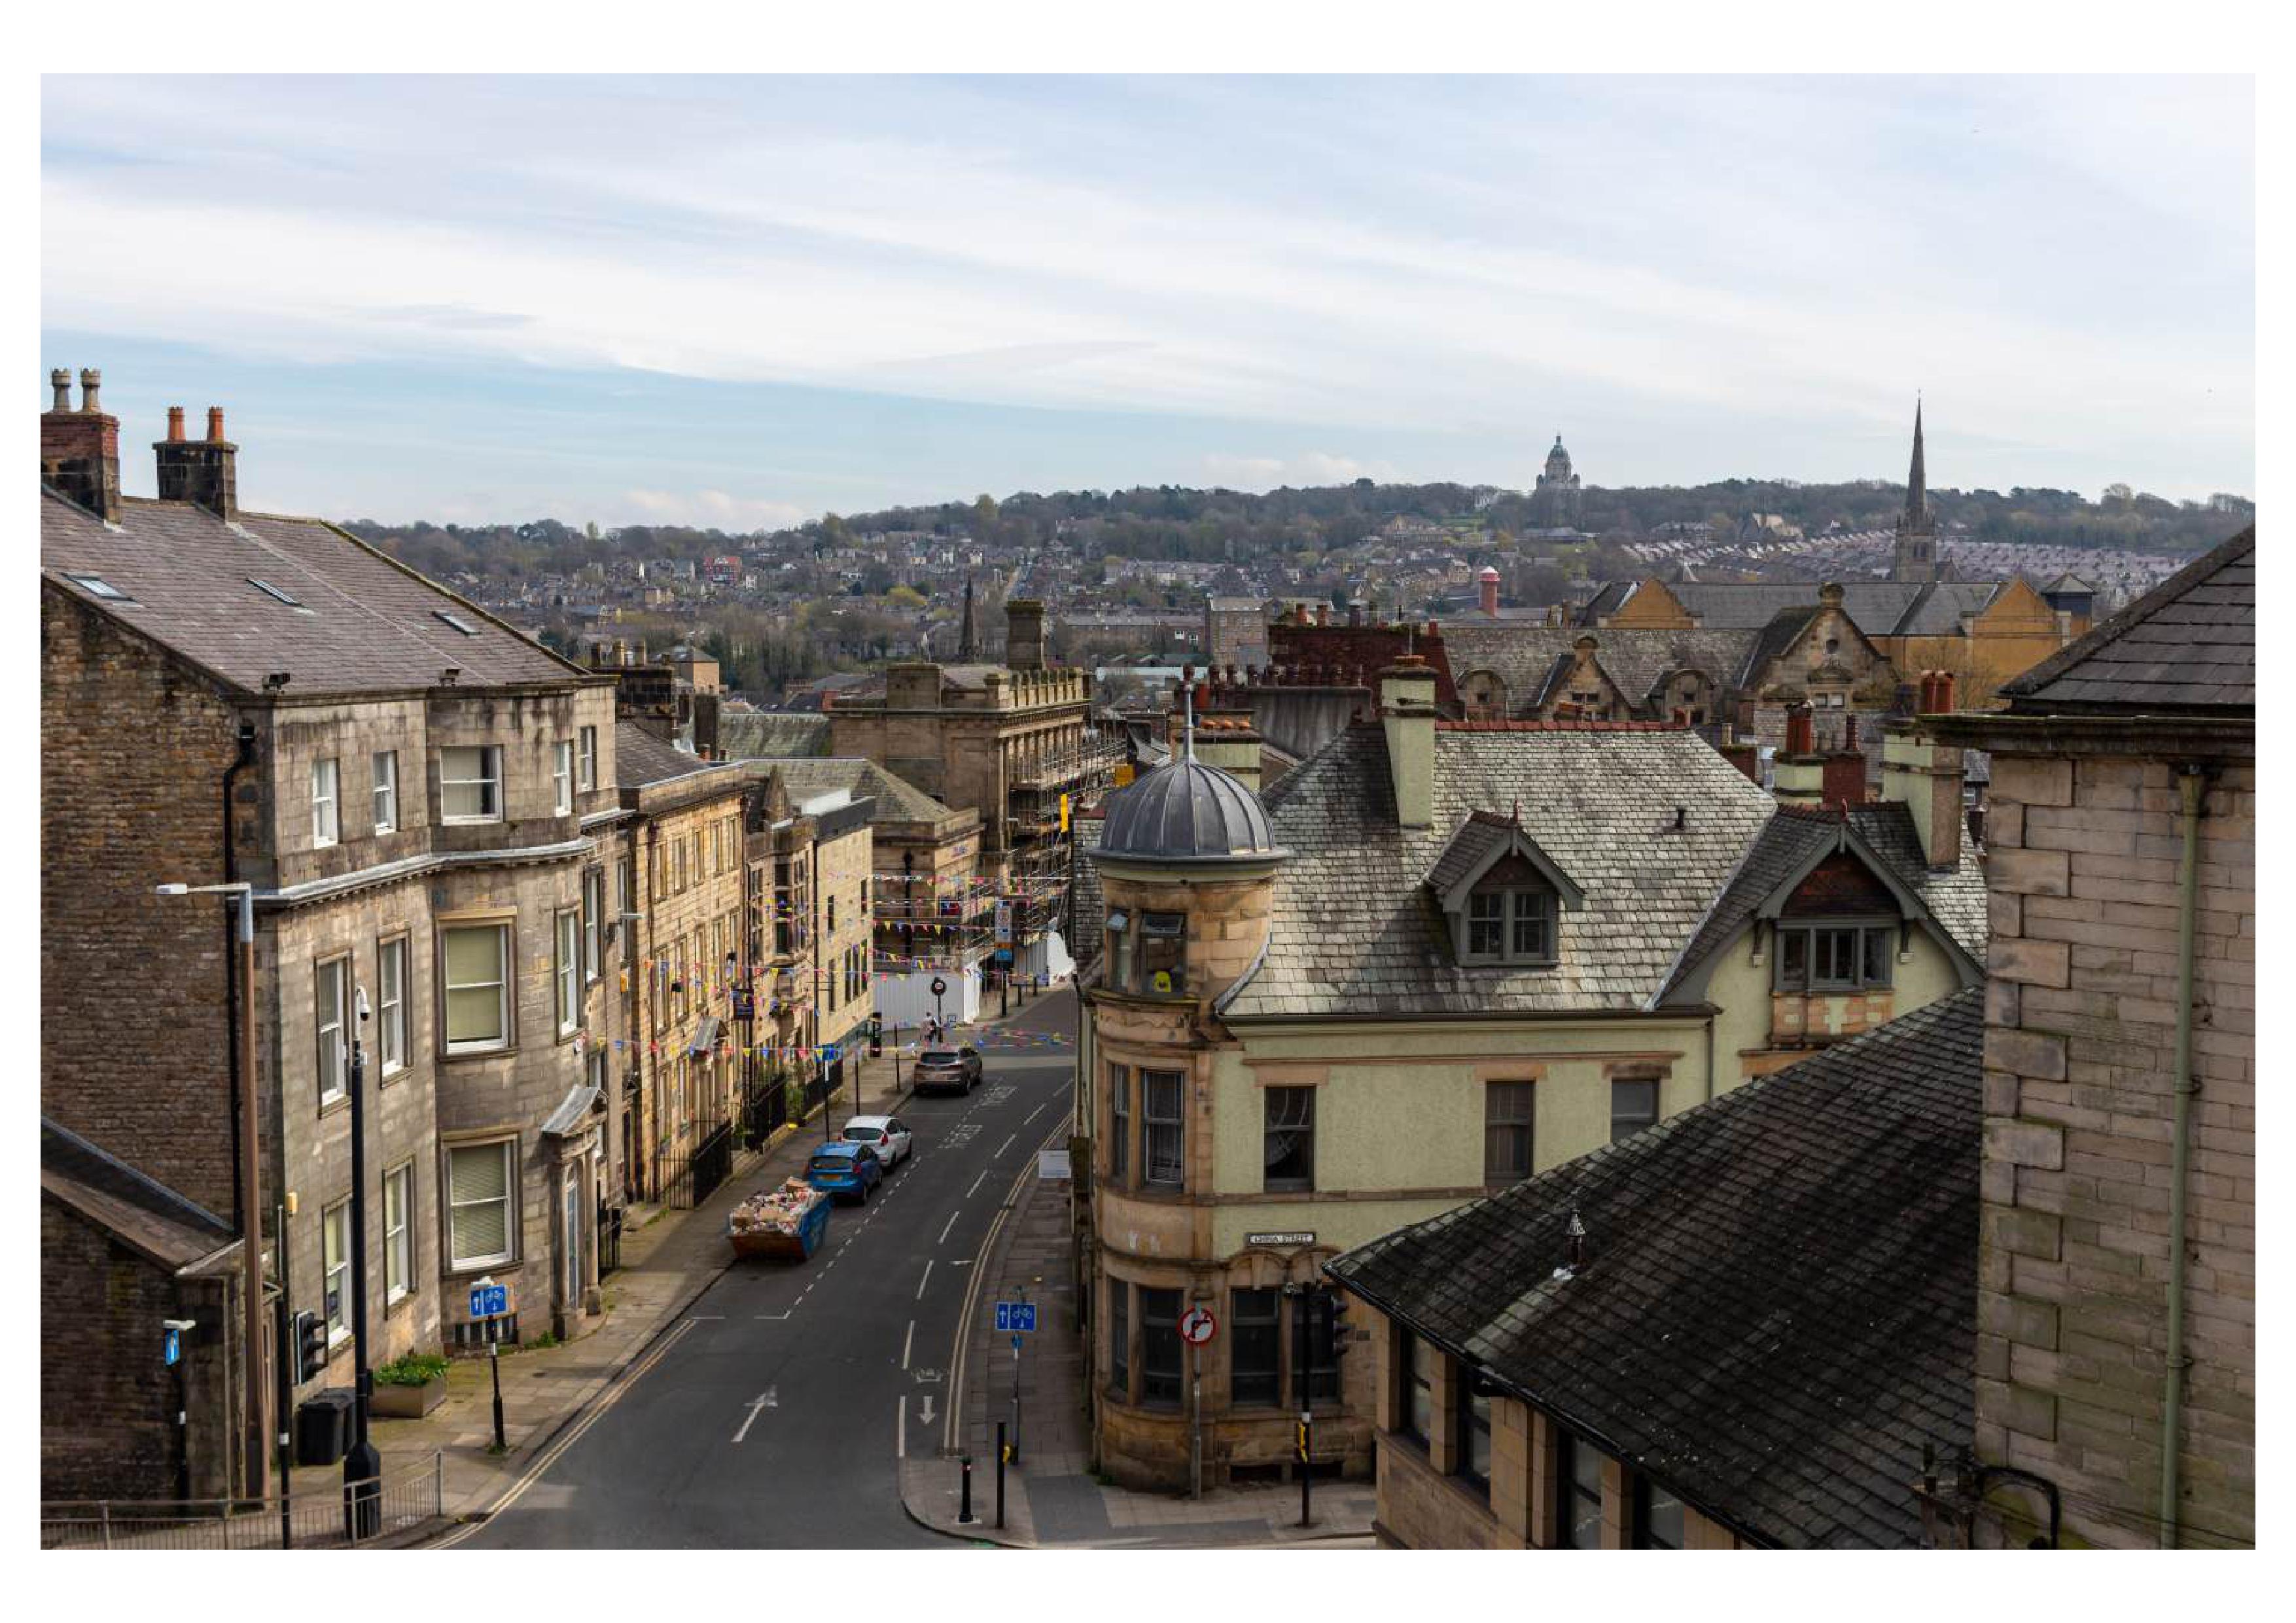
column 1051, row 1501
column 669, row 1258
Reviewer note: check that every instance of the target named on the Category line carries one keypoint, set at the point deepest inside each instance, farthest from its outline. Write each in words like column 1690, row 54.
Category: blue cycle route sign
column 175, row 1346
column 490, row 1301
column 1015, row 1316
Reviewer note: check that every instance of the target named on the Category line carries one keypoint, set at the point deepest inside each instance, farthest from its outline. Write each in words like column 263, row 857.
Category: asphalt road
column 773, row 1415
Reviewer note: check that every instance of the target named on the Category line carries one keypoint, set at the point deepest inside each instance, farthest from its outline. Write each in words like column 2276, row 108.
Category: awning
column 705, row 1035
column 572, row 1114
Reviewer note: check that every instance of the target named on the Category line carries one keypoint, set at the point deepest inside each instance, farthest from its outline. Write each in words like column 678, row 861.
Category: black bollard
column 1002, row 1454
column 964, row 1499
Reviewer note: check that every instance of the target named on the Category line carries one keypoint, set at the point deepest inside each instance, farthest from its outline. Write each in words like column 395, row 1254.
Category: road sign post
column 490, row 1303
column 1197, row 1327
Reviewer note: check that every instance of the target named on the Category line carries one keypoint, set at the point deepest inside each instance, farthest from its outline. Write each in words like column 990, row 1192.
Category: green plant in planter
column 414, row 1369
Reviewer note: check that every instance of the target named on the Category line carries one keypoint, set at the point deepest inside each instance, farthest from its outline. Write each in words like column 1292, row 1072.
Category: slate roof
column 170, row 1228
column 641, row 759
column 1637, row 659
column 1954, row 896
column 1876, row 605
column 1353, row 930
column 360, row 621
column 2187, row 644
column 771, row 734
column 898, row 800
column 1774, row 1313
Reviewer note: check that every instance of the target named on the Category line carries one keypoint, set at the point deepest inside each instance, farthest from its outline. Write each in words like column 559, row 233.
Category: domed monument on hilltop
column 1555, row 501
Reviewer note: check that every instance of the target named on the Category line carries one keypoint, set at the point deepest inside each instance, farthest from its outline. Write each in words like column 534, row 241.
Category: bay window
column 1163, row 1152
column 469, row 783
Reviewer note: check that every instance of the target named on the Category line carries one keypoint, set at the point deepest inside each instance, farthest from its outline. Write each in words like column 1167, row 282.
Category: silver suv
column 955, row 1069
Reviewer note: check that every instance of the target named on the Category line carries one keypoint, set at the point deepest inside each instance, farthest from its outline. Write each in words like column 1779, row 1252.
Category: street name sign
column 1298, row 1237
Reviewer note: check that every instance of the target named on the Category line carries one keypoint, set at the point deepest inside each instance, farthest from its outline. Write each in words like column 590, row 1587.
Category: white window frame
column 588, row 759
column 386, row 790
column 489, row 776
column 447, row 987
column 502, row 1147
column 326, row 802
column 593, row 904
column 333, row 1057
column 390, row 1032
column 339, row 1320
column 398, row 1234
column 561, row 775
column 566, row 971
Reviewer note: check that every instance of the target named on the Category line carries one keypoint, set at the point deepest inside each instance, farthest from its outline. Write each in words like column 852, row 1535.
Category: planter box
column 406, row 1402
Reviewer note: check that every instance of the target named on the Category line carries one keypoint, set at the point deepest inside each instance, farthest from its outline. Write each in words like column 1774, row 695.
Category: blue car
column 845, row 1168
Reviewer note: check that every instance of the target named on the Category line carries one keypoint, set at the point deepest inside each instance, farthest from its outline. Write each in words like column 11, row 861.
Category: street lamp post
column 251, row 1222
column 363, row 1465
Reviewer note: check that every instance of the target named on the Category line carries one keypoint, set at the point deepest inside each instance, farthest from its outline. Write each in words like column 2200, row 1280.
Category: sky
column 744, row 303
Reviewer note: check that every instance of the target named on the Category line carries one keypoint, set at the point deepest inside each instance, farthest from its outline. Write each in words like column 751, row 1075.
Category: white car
column 888, row 1135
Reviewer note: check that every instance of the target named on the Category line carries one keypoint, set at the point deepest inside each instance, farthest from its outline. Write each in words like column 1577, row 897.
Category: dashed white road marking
column 946, row 1228
column 1005, row 1146
column 901, row 1433
column 920, row 1283
column 1032, row 1115
column 905, row 1342
column 976, row 1184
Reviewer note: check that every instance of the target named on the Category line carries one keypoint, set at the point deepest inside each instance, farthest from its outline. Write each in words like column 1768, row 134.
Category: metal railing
column 685, row 1178
column 314, row 1518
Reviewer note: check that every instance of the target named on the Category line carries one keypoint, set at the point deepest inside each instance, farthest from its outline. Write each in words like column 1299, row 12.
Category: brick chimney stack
column 1490, row 583
column 80, row 450
column 204, row 472
column 1927, row 775
column 1798, row 773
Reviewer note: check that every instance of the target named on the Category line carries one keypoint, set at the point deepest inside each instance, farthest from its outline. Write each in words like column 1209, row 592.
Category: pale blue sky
column 745, row 301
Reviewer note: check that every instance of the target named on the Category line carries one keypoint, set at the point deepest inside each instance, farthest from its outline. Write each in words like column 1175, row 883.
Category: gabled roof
column 642, row 760
column 1774, row 1313
column 1636, row 658
column 898, row 800
column 1354, row 932
column 2189, row 644
column 357, row 620
column 1880, row 835
column 763, row 735
column 1483, row 838
column 171, row 1229
column 1876, row 605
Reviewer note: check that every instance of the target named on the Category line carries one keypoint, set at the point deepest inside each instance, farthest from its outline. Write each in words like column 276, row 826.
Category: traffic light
column 1335, row 1304
column 310, row 1346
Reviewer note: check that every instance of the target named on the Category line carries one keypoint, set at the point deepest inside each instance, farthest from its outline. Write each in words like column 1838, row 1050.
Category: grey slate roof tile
column 1775, row 1310
column 2189, row 644
column 361, row 622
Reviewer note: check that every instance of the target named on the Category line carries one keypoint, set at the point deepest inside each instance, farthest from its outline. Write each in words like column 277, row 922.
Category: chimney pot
column 1801, row 736
column 214, row 425
column 175, row 425
column 90, row 380
column 60, row 380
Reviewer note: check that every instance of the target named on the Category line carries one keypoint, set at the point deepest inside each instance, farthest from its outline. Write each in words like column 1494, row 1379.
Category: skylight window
column 457, row 622
column 268, row 590
column 102, row 587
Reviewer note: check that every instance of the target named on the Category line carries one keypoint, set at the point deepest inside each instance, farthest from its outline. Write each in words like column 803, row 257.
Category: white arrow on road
column 763, row 1400
column 927, row 1414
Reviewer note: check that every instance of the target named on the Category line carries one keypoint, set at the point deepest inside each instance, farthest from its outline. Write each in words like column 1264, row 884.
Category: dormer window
column 1834, row 956
column 1511, row 926
column 1502, row 896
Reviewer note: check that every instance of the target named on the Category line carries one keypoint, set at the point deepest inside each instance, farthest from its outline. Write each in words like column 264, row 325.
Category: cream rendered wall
column 1399, row 1108
column 1741, row 988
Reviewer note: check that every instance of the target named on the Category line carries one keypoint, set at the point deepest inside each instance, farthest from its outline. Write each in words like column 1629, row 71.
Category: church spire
column 1915, row 557
column 1917, row 482
column 965, row 650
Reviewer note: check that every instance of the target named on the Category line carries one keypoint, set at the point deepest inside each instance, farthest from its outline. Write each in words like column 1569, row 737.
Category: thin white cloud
column 1799, row 254
column 707, row 510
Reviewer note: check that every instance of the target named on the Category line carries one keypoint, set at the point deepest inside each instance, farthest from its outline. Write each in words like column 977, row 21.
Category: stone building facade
column 1015, row 744
column 2116, row 1352
column 410, row 788
column 1332, row 1033
column 684, row 847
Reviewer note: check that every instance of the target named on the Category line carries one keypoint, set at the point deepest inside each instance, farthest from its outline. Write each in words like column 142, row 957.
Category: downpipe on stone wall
column 2190, row 785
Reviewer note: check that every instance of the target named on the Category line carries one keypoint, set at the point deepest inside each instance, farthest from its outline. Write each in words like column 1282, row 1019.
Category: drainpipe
column 245, row 1180
column 2190, row 784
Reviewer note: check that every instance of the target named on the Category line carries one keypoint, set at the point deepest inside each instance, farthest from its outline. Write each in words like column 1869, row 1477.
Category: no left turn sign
column 1198, row 1326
